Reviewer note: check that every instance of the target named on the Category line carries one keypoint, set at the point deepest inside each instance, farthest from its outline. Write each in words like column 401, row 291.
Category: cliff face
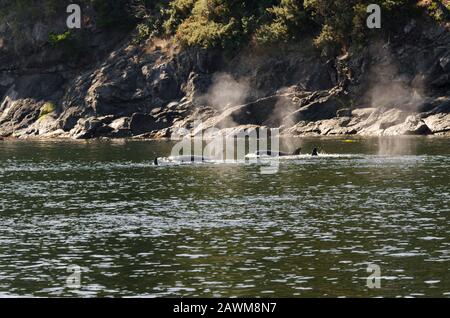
column 117, row 88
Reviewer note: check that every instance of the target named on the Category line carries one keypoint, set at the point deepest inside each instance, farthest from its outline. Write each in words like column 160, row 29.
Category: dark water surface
column 225, row 230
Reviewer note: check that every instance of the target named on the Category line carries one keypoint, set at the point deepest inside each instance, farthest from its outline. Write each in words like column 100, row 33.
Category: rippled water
column 312, row 229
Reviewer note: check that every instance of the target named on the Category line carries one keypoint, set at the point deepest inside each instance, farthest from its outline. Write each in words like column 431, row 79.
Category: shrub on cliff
column 57, row 39
column 209, row 25
column 337, row 24
column 286, row 22
column 227, row 24
column 176, row 13
column 438, row 10
column 343, row 22
column 47, row 109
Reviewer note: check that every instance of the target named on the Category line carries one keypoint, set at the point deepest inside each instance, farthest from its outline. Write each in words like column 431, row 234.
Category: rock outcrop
column 439, row 123
column 156, row 90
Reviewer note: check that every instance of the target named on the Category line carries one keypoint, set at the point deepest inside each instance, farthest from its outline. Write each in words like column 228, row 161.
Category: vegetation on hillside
column 46, row 109
column 229, row 24
column 336, row 24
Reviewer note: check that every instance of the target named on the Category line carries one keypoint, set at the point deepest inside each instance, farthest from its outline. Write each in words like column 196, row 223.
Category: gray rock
column 378, row 121
column 85, row 128
column 197, row 87
column 69, row 118
column 391, row 118
column 107, row 120
column 39, row 86
column 344, row 112
column 334, row 126
column 122, row 123
column 443, row 105
column 18, row 116
column 143, row 123
column 438, row 123
column 90, row 128
column 413, row 125
column 363, row 113
column 444, row 62
column 323, row 108
column 156, row 111
column 441, row 81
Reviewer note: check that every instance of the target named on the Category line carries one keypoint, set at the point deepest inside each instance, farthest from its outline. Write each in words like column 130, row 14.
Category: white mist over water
column 282, row 117
column 389, row 88
column 396, row 146
column 227, row 91
column 282, row 112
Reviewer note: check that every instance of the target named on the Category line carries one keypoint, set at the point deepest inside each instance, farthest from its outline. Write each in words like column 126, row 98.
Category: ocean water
column 97, row 219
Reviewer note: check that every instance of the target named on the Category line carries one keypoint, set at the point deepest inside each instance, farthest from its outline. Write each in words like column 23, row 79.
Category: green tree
column 288, row 21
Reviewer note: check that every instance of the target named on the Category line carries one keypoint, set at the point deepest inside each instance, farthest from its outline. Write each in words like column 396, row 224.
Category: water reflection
column 397, row 146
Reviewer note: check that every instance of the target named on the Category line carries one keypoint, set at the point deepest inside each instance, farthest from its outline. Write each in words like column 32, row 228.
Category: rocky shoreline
column 154, row 89
column 367, row 122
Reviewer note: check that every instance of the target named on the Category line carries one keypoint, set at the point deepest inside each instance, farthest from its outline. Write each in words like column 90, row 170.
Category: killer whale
column 181, row 159
column 259, row 153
